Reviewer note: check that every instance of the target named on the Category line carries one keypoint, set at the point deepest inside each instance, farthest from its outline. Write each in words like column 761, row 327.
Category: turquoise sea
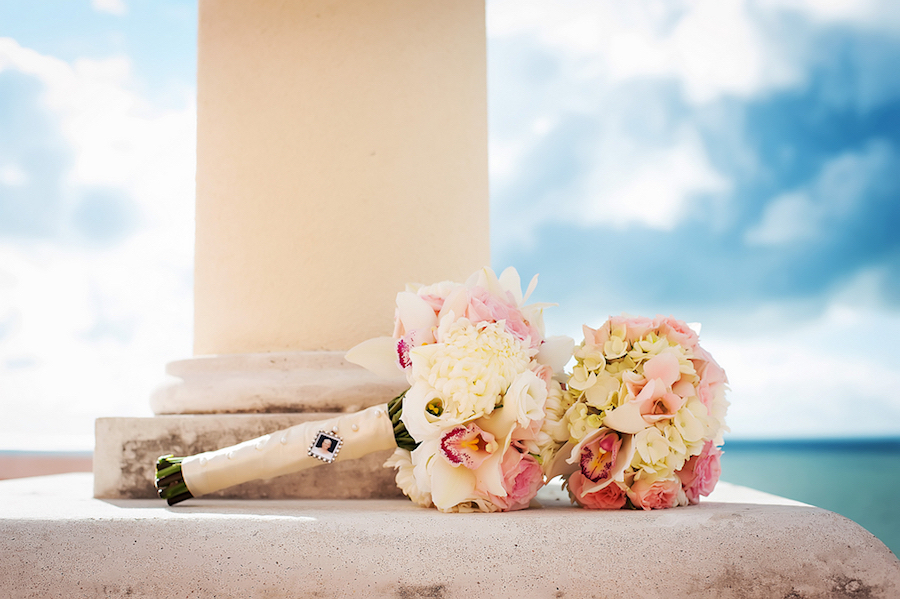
column 857, row 478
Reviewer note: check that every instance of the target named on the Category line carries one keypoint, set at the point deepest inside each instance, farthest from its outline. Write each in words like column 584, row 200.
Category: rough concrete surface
column 59, row 542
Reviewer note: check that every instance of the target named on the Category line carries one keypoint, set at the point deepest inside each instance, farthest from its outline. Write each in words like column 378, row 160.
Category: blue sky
column 728, row 162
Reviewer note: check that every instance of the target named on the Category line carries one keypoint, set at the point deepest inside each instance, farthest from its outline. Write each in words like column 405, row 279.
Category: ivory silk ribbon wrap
column 286, row 451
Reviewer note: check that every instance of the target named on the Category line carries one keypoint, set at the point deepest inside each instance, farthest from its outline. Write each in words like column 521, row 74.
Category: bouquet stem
column 170, row 481
column 294, row 449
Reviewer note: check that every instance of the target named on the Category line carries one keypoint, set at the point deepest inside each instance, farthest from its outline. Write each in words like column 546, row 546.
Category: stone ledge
column 126, row 451
column 59, row 542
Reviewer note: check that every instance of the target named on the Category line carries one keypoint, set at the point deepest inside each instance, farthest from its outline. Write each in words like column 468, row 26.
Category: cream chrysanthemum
column 465, row 374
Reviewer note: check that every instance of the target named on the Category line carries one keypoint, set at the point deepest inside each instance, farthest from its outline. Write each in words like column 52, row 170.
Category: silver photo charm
column 325, row 446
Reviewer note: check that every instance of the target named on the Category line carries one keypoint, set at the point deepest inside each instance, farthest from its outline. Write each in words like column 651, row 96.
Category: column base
column 275, row 382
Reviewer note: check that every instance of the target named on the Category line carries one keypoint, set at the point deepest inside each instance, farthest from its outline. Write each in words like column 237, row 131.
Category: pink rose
column 610, row 497
column 678, row 331
column 700, row 474
column 712, row 377
column 661, row 494
column 596, row 336
column 657, row 403
column 435, row 301
column 522, row 478
column 635, row 326
column 707, row 368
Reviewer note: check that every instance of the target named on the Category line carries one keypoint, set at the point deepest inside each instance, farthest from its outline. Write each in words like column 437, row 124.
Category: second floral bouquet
column 645, row 417
column 490, row 415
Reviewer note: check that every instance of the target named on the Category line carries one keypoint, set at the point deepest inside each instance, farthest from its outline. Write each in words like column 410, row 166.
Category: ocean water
column 857, row 478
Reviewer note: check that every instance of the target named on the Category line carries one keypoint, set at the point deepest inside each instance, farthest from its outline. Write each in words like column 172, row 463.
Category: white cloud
column 113, row 7
column 13, row 175
column 872, row 14
column 641, row 184
column 809, row 213
column 92, row 328
column 790, row 217
column 823, row 378
column 714, row 48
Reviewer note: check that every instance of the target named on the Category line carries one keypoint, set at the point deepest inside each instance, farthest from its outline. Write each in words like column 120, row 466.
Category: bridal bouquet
column 471, row 433
column 481, row 374
column 645, row 409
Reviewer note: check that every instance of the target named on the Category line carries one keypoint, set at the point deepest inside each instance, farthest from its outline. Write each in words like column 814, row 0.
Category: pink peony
column 486, row 307
column 610, row 497
column 700, row 474
column 659, row 495
column 522, row 478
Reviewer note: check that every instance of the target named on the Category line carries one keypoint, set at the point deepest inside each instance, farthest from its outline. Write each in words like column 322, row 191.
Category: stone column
column 341, row 153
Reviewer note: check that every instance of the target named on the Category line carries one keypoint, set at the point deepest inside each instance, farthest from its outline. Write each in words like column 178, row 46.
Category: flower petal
column 510, row 282
column 626, row 419
column 450, row 486
column 377, row 355
column 556, row 351
column 560, row 464
column 414, row 312
column 663, row 366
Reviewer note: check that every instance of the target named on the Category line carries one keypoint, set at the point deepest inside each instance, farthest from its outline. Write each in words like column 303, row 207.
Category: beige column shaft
column 342, row 152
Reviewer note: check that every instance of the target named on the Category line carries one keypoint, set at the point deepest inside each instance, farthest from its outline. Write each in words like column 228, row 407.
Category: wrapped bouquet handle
column 300, row 447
